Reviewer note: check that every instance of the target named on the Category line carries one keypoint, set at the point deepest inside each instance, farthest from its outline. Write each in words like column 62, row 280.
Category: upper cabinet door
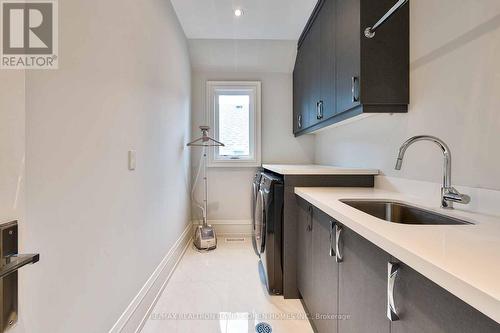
column 385, row 59
column 298, row 92
column 310, row 49
column 327, row 20
column 362, row 285
column 348, row 56
column 423, row 306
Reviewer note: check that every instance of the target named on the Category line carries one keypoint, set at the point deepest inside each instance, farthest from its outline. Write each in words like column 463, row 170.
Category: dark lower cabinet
column 325, row 274
column 356, row 286
column 423, row 306
column 317, row 277
column 362, row 285
column 304, row 254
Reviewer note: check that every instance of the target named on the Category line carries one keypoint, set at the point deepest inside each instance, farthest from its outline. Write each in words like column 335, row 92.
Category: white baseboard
column 136, row 314
column 241, row 228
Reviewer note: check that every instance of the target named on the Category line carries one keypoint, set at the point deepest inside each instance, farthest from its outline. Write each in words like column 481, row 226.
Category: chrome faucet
column 449, row 194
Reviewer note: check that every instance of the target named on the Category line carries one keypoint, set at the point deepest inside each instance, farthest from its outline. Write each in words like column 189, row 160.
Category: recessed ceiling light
column 238, row 12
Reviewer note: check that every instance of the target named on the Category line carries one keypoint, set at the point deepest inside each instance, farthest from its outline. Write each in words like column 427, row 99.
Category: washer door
column 260, row 222
column 255, row 195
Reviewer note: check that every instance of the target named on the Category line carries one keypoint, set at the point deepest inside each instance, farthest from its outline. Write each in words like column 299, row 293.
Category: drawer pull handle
column 331, row 249
column 310, row 224
column 319, row 110
column 355, row 95
column 392, row 274
column 339, row 256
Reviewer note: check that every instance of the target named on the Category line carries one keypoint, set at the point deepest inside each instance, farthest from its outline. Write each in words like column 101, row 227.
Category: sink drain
column 263, row 328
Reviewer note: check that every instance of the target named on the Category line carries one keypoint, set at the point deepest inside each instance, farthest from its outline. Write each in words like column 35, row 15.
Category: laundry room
column 216, row 166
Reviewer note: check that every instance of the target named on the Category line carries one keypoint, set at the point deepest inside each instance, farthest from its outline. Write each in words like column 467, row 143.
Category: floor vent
column 235, row 240
column 263, row 328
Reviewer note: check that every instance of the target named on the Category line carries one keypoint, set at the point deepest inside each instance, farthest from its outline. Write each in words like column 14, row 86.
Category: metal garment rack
column 370, row 31
column 205, row 141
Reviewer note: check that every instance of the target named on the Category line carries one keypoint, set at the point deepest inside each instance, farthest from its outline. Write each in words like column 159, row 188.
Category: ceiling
column 262, row 19
column 224, row 55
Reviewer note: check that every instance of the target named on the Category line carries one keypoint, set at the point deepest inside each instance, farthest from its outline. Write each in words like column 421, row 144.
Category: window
column 233, row 110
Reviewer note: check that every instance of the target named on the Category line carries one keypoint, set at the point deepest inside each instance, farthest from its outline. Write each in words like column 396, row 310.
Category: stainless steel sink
column 396, row 212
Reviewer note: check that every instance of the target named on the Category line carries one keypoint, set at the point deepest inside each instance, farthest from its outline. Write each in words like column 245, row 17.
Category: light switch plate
column 131, row 160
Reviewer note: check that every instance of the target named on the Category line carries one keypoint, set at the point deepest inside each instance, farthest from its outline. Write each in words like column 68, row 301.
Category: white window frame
column 214, row 159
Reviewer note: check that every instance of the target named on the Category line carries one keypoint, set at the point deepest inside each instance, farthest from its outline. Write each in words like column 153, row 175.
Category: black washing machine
column 269, row 230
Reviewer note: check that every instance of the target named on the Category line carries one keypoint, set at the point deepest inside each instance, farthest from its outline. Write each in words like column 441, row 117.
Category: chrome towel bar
column 370, row 31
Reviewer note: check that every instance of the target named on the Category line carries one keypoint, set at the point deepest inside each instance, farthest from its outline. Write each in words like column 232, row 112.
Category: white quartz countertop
column 313, row 169
column 463, row 259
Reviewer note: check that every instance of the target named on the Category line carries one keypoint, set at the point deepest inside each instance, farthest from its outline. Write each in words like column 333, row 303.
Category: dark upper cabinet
column 347, row 55
column 298, row 92
column 385, row 59
column 342, row 73
column 325, row 274
column 423, row 306
column 362, row 285
column 312, row 73
column 306, row 76
column 326, row 17
column 304, row 254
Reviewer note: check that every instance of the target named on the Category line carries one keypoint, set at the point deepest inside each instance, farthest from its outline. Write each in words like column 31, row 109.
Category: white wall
column 242, row 55
column 101, row 230
column 230, row 188
column 12, row 151
column 455, row 84
column 12, row 148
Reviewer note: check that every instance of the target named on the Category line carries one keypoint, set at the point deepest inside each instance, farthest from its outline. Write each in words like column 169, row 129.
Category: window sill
column 234, row 164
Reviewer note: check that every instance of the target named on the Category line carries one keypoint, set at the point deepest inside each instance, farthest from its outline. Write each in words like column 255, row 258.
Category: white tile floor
column 222, row 292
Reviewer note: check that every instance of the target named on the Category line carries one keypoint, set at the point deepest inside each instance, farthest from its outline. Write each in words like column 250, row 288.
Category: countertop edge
column 319, row 170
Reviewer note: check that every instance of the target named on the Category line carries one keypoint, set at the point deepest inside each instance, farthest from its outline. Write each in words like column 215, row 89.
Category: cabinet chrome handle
column 355, row 97
column 299, row 121
column 339, row 256
column 392, row 273
column 310, row 224
column 319, row 110
column 331, row 249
